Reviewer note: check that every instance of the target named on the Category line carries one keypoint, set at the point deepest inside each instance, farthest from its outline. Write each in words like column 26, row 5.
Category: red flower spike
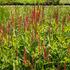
column 26, row 23
column 24, row 61
column 38, row 39
column 45, row 53
column 49, row 28
column 32, row 35
column 19, row 22
column 33, row 16
column 64, row 66
column 1, row 30
column 43, row 14
column 39, row 49
column 13, row 21
column 37, row 36
column 56, row 15
column 8, row 28
column 16, row 54
column 37, row 15
column 68, row 18
column 56, row 20
column 63, row 22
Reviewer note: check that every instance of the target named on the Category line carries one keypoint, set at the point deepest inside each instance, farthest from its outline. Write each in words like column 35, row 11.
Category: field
column 34, row 38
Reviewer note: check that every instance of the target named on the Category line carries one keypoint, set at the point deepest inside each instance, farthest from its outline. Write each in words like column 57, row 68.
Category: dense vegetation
column 34, row 38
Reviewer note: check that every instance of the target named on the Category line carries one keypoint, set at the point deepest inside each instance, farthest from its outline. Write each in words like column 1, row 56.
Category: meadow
column 34, row 38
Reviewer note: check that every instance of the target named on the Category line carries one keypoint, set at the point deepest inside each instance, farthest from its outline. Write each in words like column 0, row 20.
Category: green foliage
column 15, row 45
